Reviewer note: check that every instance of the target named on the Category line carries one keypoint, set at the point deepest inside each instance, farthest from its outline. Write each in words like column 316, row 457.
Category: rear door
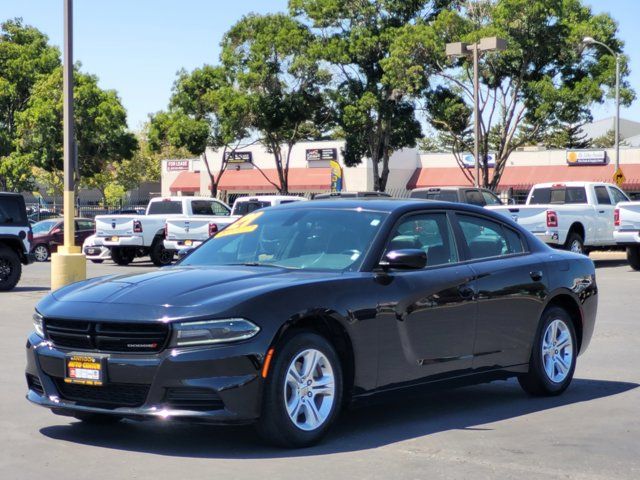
column 511, row 286
column 84, row 229
column 426, row 317
column 474, row 197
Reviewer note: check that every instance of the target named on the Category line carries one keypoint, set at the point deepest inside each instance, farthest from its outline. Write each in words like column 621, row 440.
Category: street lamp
column 592, row 41
column 460, row 49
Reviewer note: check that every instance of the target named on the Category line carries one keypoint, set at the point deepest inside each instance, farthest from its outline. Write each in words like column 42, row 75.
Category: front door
column 426, row 317
column 604, row 216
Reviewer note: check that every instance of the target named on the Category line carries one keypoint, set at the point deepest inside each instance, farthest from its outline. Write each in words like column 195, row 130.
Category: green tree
column 541, row 80
column 355, row 38
column 269, row 58
column 206, row 110
column 25, row 58
column 568, row 136
column 101, row 133
column 608, row 140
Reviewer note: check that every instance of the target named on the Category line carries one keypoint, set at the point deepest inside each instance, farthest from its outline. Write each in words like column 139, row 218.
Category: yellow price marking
column 244, row 225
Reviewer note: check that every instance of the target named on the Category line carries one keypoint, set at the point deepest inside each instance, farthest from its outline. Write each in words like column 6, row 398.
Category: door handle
column 600, row 211
column 536, row 275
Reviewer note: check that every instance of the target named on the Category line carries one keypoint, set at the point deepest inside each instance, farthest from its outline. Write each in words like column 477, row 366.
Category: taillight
column 616, row 217
column 166, row 230
column 213, row 229
column 137, row 226
column 30, row 236
column 552, row 218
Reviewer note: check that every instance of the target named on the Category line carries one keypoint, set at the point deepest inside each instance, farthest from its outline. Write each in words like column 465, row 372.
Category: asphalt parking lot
column 488, row 431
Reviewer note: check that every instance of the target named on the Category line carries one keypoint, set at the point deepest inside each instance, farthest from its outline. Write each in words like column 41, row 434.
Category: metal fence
column 40, row 211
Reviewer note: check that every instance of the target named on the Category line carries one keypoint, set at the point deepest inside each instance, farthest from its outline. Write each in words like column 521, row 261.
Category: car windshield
column 242, row 208
column 44, row 226
column 310, row 239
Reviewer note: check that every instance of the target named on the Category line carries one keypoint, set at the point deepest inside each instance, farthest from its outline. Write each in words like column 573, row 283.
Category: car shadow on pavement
column 469, row 408
column 611, row 263
column 30, row 289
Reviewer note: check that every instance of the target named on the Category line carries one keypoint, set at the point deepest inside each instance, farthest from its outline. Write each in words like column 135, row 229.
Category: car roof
column 267, row 198
column 570, row 184
column 448, row 187
column 382, row 204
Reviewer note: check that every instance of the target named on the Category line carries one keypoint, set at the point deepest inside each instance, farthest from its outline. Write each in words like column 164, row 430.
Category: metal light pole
column 68, row 264
column 593, row 41
column 459, row 49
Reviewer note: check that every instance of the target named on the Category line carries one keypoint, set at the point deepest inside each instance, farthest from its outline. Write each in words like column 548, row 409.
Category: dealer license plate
column 85, row 369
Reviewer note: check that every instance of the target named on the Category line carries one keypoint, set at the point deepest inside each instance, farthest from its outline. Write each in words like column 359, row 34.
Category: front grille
column 34, row 384
column 111, row 395
column 107, row 336
column 193, row 398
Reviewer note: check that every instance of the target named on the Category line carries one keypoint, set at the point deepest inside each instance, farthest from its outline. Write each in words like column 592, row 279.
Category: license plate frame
column 85, row 369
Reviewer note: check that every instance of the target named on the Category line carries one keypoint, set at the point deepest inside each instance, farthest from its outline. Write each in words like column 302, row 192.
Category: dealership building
column 315, row 167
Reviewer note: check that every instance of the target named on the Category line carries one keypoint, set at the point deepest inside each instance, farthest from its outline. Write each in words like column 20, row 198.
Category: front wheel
column 633, row 257
column 302, row 393
column 41, row 253
column 122, row 256
column 553, row 358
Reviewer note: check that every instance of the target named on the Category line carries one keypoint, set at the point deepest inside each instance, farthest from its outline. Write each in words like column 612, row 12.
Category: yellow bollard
column 68, row 264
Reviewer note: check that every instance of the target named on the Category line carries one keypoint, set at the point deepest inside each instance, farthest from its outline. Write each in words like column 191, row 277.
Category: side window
column 490, row 198
column 486, row 238
column 84, row 225
column 474, row 197
column 602, row 196
column 204, row 207
column 617, row 195
column 429, row 232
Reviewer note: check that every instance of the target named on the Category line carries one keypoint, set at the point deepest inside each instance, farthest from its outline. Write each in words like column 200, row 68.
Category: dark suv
column 471, row 195
column 15, row 238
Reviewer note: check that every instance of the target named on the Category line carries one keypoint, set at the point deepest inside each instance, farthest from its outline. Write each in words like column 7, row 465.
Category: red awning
column 523, row 178
column 186, row 182
column 300, row 179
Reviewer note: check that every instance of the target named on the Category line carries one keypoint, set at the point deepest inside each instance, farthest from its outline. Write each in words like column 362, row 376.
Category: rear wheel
column 575, row 243
column 553, row 359
column 122, row 256
column 633, row 257
column 10, row 269
column 41, row 252
column 97, row 418
column 160, row 256
column 302, row 393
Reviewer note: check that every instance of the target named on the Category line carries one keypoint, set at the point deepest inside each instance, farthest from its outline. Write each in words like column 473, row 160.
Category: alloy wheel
column 576, row 246
column 41, row 253
column 309, row 389
column 5, row 269
column 557, row 351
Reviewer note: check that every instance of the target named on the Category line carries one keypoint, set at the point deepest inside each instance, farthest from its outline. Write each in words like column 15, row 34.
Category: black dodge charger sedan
column 293, row 312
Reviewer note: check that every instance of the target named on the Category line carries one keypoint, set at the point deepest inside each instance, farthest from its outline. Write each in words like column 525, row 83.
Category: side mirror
column 405, row 259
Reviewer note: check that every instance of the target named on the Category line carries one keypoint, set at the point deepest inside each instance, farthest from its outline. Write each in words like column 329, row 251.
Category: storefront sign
column 238, row 157
column 336, row 176
column 586, row 157
column 317, row 154
column 469, row 161
column 176, row 165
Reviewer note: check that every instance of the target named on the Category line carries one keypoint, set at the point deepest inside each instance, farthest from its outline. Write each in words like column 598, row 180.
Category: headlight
column 212, row 331
column 37, row 324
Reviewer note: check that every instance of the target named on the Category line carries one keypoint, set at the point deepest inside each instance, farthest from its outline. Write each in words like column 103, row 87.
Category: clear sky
column 137, row 46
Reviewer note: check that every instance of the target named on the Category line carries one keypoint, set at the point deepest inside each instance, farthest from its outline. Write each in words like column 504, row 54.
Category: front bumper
column 627, row 237
column 180, row 244
column 230, row 373
column 550, row 237
column 103, row 252
column 131, row 241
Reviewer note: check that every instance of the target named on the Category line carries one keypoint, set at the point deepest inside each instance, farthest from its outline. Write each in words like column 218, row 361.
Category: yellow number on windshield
column 244, row 225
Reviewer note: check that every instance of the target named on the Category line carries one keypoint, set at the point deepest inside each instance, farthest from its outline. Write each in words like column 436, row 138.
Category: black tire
column 275, row 426
column 97, row 261
column 575, row 240
column 633, row 257
column 160, row 256
column 122, row 256
column 97, row 418
column 10, row 269
column 537, row 382
column 42, row 251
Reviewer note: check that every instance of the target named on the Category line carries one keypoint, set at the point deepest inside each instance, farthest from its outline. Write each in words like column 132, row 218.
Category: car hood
column 172, row 292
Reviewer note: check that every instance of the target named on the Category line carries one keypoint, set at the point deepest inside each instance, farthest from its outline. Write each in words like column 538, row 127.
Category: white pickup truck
column 627, row 230
column 576, row 216
column 190, row 232
column 130, row 236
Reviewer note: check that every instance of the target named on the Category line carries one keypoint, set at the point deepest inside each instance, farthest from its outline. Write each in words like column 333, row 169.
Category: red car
column 48, row 234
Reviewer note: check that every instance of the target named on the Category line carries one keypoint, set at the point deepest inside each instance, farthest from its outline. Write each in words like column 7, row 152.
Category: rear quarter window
column 12, row 211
